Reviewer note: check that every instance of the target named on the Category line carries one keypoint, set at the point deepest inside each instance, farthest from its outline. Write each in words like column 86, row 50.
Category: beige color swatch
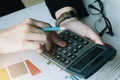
column 17, row 69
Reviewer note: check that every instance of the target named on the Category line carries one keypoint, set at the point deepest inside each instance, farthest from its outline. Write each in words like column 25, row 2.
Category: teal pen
column 52, row 28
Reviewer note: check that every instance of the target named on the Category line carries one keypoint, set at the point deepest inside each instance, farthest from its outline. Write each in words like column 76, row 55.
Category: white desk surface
column 40, row 12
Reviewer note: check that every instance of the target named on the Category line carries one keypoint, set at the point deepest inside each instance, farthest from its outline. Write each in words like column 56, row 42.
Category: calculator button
column 67, row 61
column 64, row 52
column 76, row 37
column 69, row 54
column 80, row 39
column 58, row 56
column 79, row 46
column 63, row 59
column 70, row 41
column 67, row 32
column 74, row 50
column 69, row 47
column 59, row 49
column 85, row 42
column 73, row 56
column 75, row 43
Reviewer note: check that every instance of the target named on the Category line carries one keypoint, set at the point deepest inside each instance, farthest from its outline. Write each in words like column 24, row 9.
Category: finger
column 56, row 39
column 99, row 41
column 93, row 36
column 35, row 37
column 41, row 47
column 40, row 23
column 48, row 43
column 36, row 30
column 33, row 46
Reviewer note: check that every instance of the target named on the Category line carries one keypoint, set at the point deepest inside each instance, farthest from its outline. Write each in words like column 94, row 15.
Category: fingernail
column 64, row 44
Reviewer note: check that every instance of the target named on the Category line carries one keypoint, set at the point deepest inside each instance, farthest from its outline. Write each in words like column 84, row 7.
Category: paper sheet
column 49, row 71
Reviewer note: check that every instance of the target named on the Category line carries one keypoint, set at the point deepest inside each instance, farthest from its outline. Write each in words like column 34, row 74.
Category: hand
column 26, row 36
column 77, row 26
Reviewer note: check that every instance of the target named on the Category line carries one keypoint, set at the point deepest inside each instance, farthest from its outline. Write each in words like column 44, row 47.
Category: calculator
column 81, row 57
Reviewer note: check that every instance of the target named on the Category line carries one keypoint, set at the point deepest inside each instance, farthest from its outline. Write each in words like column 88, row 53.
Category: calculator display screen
column 92, row 54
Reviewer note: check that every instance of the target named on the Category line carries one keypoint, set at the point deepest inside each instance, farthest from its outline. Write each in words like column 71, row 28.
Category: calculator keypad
column 74, row 44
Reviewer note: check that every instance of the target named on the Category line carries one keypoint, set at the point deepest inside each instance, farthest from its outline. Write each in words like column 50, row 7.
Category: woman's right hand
column 27, row 35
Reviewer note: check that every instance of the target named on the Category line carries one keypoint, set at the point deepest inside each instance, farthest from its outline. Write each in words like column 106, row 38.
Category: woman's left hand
column 84, row 30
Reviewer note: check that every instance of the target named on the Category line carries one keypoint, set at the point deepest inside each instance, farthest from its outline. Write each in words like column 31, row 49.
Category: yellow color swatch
column 4, row 74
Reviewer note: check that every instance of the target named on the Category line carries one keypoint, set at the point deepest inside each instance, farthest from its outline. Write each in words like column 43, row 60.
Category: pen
column 52, row 28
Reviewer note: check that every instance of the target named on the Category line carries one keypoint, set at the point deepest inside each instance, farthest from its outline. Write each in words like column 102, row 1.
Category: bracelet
column 64, row 16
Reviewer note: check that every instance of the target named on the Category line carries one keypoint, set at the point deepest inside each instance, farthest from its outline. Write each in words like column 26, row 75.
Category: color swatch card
column 4, row 74
column 17, row 70
column 29, row 66
column 32, row 66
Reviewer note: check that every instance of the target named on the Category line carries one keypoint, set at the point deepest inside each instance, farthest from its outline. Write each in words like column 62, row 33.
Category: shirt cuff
column 54, row 5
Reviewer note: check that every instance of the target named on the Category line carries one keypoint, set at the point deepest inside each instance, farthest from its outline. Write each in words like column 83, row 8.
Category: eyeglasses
column 97, row 8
